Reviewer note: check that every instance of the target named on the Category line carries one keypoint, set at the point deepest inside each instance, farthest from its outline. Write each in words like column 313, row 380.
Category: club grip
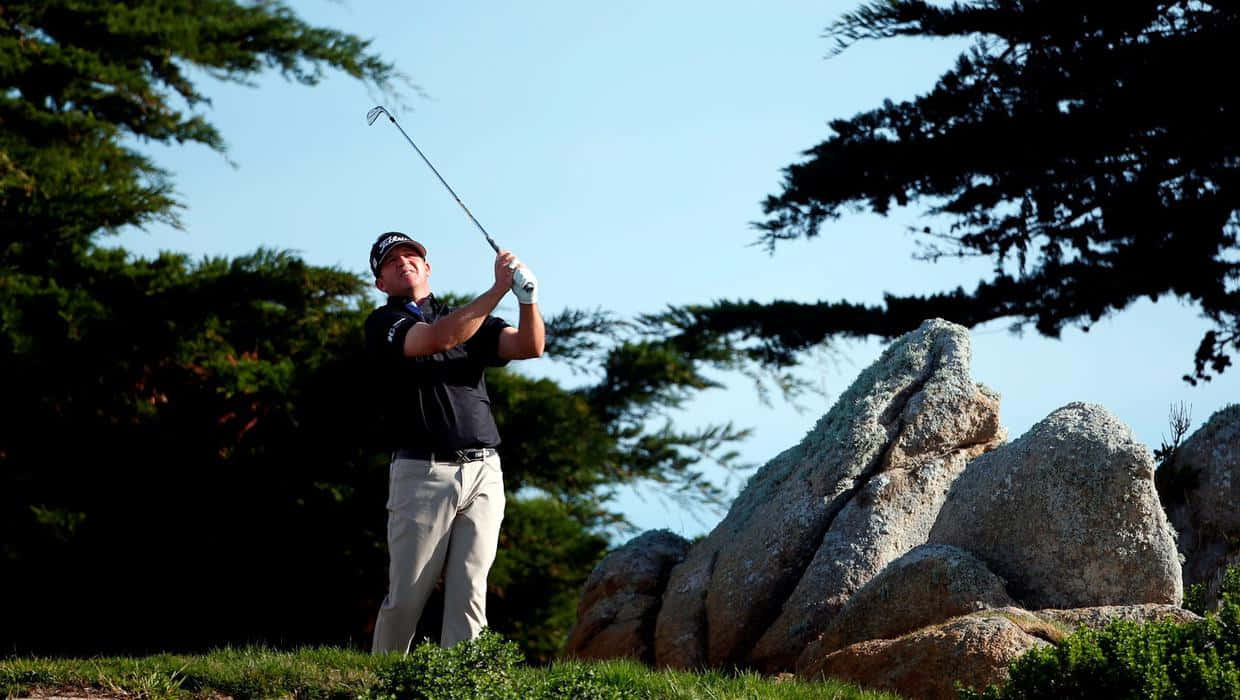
column 518, row 277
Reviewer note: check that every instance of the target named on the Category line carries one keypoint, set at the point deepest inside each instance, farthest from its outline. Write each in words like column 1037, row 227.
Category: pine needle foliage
column 83, row 82
column 1087, row 149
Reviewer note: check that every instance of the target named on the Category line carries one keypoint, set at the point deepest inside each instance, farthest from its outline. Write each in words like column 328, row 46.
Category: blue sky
column 621, row 150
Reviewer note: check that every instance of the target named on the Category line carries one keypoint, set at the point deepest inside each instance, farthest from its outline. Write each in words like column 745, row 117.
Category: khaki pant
column 443, row 518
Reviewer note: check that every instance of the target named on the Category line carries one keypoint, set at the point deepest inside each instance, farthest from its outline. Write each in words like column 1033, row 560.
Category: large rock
column 1098, row 617
column 1208, row 520
column 930, row 584
column 1067, row 515
column 820, row 519
column 974, row 650
column 615, row 617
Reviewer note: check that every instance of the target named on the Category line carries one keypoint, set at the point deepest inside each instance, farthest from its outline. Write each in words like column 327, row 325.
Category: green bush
column 481, row 668
column 487, row 668
column 1125, row 660
column 1195, row 599
column 1231, row 584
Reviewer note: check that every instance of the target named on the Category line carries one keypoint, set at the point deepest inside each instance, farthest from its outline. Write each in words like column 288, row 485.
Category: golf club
column 373, row 114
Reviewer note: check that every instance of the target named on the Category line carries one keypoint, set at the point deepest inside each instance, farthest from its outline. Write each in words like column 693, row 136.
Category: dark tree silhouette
column 1088, row 148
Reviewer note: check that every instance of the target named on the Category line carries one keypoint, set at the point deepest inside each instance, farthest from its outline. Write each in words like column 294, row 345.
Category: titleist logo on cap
column 394, row 237
column 388, row 241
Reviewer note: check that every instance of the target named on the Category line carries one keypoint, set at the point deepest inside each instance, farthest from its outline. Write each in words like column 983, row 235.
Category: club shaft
column 448, row 187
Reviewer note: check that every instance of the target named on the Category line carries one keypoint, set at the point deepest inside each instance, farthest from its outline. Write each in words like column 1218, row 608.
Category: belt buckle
column 474, row 455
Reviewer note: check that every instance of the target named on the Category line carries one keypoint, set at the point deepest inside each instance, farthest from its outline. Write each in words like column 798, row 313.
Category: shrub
column 1231, row 584
column 486, row 668
column 1195, row 599
column 1199, row 599
column 1157, row 660
column 481, row 668
column 1174, row 479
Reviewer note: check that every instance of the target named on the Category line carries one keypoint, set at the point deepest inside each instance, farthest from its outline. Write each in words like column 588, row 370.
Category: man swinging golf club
column 446, row 491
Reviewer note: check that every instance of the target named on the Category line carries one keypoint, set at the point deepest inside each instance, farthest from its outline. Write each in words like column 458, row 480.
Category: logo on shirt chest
column 391, row 334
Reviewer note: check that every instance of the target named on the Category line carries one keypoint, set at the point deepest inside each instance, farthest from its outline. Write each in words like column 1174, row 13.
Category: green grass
column 240, row 673
column 428, row 672
column 645, row 683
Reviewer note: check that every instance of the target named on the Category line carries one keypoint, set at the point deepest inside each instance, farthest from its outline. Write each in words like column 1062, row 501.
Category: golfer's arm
column 527, row 339
column 453, row 329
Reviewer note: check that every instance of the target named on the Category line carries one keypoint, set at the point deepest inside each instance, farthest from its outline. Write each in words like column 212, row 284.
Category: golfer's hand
column 525, row 285
column 505, row 265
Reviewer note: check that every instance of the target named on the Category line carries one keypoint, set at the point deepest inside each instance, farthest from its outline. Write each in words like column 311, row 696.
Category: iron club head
column 373, row 114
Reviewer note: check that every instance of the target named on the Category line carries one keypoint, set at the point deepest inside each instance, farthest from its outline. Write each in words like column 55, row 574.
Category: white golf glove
column 525, row 285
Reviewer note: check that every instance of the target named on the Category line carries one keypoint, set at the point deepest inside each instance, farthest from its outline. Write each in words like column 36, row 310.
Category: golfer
column 445, row 489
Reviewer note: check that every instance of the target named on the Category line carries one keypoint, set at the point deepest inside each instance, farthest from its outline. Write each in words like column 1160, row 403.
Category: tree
column 128, row 383
column 82, row 79
column 186, row 456
column 1088, row 148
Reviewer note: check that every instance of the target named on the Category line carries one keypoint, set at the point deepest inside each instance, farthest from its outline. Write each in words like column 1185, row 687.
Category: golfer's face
column 405, row 272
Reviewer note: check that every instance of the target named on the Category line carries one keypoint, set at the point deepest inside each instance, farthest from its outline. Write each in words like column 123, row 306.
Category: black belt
column 476, row 454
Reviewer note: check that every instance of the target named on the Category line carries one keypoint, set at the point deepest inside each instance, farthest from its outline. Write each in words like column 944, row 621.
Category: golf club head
column 373, row 114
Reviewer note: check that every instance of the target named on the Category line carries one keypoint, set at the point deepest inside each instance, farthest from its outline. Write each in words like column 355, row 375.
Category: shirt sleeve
column 385, row 333
column 484, row 346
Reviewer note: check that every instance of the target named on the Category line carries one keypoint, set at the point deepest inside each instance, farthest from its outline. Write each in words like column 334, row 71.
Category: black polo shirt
column 436, row 402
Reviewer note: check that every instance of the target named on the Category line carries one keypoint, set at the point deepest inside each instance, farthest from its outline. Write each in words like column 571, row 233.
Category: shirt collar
column 428, row 310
